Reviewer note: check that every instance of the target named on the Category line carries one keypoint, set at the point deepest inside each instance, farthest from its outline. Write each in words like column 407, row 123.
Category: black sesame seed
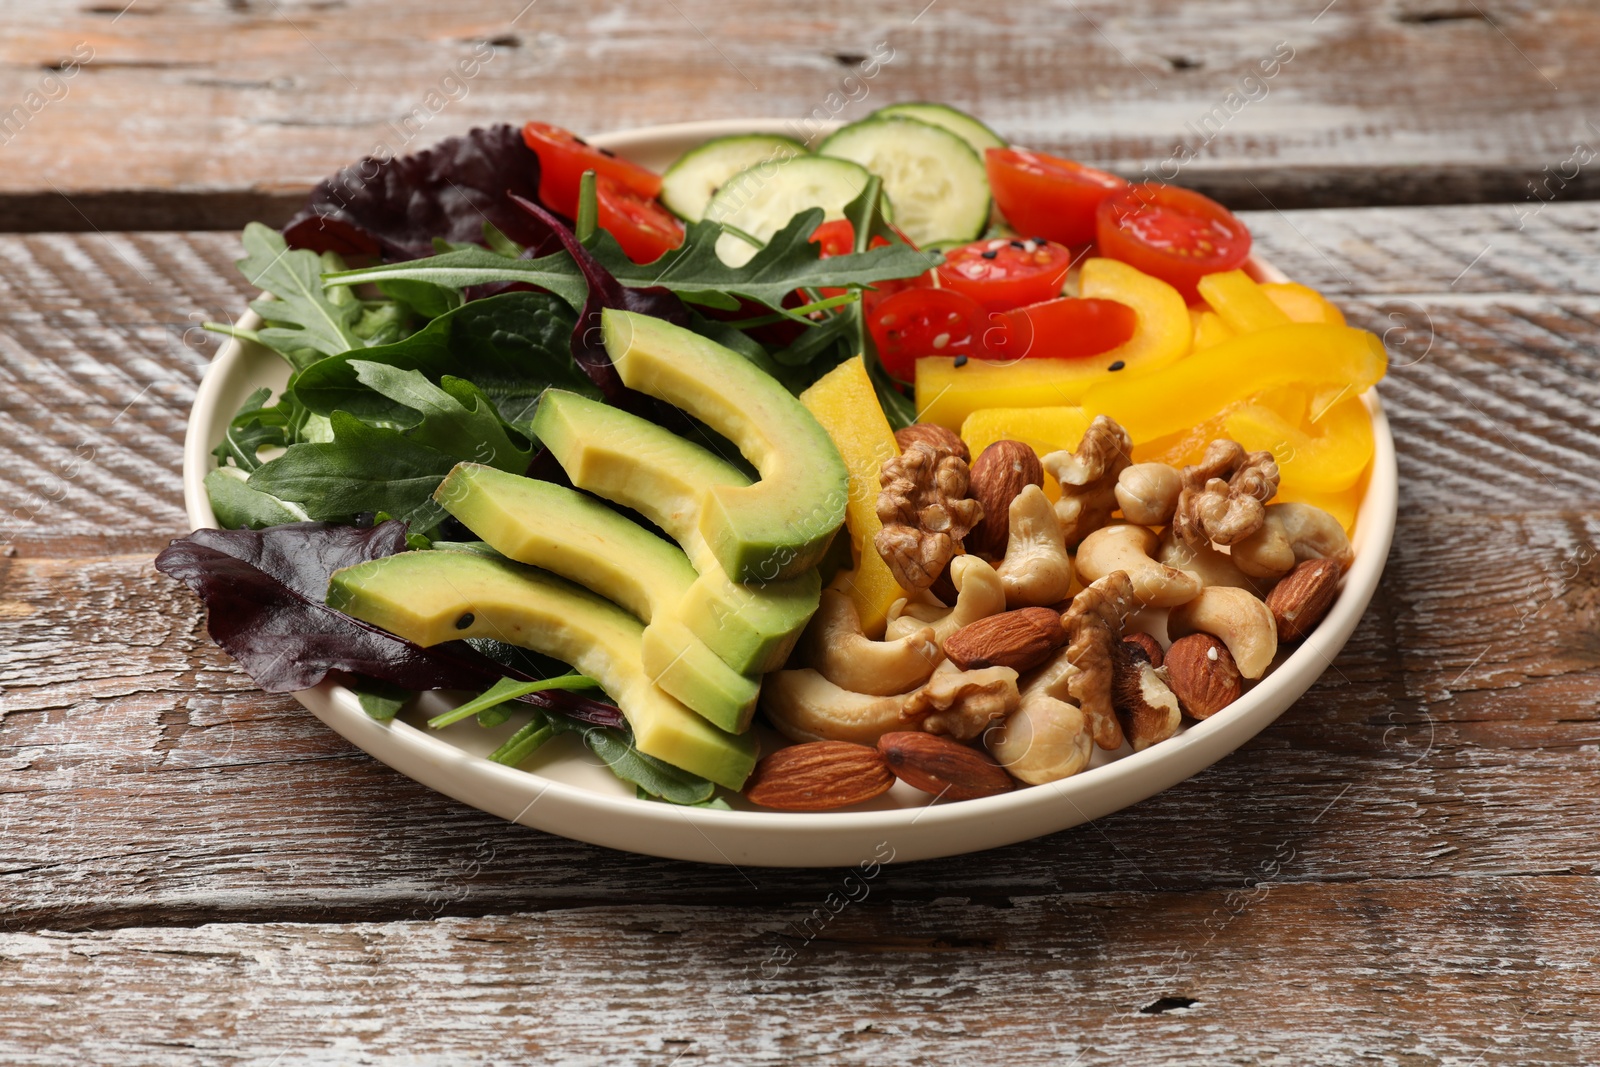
column 465, row 621
column 990, row 254
column 1118, row 365
column 1040, row 241
column 1018, row 244
column 961, row 361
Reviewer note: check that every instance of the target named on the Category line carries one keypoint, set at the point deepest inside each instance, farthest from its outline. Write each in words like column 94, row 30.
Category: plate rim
column 813, row 839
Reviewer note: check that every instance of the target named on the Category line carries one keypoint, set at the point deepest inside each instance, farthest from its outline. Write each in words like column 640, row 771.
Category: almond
column 943, row 767
column 1304, row 596
column 1017, row 639
column 818, row 775
column 1201, row 671
column 941, row 439
column 1145, row 645
column 1000, row 474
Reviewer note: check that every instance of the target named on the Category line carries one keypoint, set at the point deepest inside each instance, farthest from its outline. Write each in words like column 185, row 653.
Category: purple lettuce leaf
column 263, row 591
column 396, row 207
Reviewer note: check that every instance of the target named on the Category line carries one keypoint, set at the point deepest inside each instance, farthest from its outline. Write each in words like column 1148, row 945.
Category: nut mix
column 984, row 540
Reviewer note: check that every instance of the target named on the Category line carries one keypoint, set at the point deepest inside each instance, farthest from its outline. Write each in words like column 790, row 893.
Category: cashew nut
column 1127, row 547
column 835, row 645
column 1051, row 678
column 1213, row 568
column 1238, row 618
column 1036, row 571
column 979, row 594
column 1147, row 493
column 1290, row 534
column 1044, row 740
column 805, row 706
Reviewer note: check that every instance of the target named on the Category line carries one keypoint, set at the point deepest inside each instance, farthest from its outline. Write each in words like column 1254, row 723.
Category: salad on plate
column 788, row 474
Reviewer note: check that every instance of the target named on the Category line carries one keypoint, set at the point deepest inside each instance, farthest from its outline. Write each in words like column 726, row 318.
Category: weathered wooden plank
column 185, row 115
column 1495, row 970
column 1456, row 735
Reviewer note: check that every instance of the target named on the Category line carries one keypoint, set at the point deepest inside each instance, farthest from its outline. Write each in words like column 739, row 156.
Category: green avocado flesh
column 780, row 526
column 432, row 597
column 635, row 463
column 579, row 538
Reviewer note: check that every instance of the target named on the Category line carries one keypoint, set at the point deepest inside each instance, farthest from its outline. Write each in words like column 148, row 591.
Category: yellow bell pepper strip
column 1302, row 303
column 1327, row 456
column 1042, row 429
column 1203, row 385
column 1209, row 329
column 1239, row 302
column 1164, row 333
column 844, row 402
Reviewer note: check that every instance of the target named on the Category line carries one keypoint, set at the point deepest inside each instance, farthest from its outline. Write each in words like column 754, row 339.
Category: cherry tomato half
column 1066, row 328
column 925, row 322
column 838, row 238
column 564, row 156
column 1174, row 234
column 1001, row 274
column 1045, row 195
column 644, row 228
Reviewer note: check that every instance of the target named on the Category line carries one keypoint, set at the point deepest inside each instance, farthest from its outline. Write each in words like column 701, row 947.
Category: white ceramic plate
column 565, row 790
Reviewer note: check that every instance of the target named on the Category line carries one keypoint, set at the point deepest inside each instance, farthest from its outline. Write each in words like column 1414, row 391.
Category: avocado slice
column 579, row 538
column 780, row 526
column 432, row 597
column 663, row 477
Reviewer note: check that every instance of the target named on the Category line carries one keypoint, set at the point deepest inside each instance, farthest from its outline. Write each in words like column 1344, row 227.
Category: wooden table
column 1401, row 870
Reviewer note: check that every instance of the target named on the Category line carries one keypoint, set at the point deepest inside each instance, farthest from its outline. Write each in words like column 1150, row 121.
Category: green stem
column 508, row 689
column 588, row 208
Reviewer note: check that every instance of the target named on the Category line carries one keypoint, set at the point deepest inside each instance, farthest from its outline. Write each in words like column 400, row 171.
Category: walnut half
column 1224, row 496
column 925, row 513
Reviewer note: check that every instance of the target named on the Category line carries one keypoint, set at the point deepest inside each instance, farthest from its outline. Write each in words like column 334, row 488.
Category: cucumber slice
column 935, row 180
column 761, row 200
column 689, row 184
column 959, row 123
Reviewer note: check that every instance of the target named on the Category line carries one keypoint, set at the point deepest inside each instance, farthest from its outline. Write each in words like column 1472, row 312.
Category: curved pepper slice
column 1302, row 303
column 1326, row 456
column 1164, row 332
column 1194, row 389
column 1240, row 303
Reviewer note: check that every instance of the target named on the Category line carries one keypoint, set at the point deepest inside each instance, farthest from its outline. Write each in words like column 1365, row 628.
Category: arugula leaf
column 507, row 689
column 512, row 346
column 789, row 261
column 425, row 298
column 456, row 417
column 522, row 744
column 475, row 266
column 648, row 773
column 237, row 505
column 302, row 316
column 364, row 468
column 380, row 700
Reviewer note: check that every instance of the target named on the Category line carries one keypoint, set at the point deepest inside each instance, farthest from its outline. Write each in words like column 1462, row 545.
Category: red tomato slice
column 564, row 156
column 1066, row 328
column 1045, row 195
column 925, row 322
column 1175, row 234
column 1001, row 274
column 644, row 228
